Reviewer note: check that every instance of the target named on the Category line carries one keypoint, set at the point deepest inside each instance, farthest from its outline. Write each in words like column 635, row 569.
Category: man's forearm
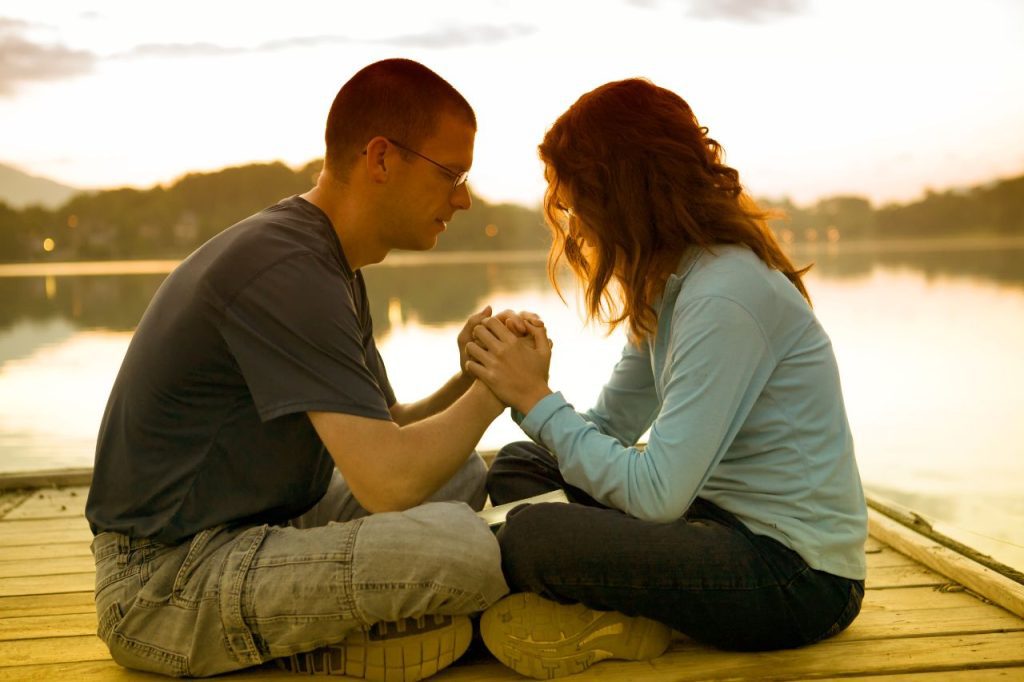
column 428, row 452
column 390, row 467
column 443, row 398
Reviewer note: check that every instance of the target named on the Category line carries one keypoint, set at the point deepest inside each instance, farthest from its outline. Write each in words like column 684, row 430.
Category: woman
column 742, row 522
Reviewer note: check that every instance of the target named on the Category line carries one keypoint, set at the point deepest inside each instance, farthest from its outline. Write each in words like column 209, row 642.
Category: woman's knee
column 532, row 543
column 517, row 470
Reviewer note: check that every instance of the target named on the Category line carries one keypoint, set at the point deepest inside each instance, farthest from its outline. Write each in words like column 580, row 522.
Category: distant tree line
column 993, row 209
column 170, row 222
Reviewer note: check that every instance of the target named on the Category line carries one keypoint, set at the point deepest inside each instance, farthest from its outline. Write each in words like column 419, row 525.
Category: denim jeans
column 706, row 575
column 233, row 597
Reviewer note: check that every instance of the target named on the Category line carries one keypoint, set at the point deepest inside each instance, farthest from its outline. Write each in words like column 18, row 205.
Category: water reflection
column 928, row 345
column 443, row 294
column 1002, row 265
column 113, row 302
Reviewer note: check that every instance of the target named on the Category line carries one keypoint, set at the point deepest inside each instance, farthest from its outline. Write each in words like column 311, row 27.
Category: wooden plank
column 51, row 503
column 63, row 650
column 691, row 661
column 903, row 576
column 9, row 525
column 47, row 604
column 91, row 671
column 981, row 579
column 33, row 627
column 108, row 671
column 47, row 478
column 48, row 551
column 52, row 566
column 872, row 545
column 20, row 538
column 10, row 499
column 886, row 557
column 48, row 584
column 975, row 675
column 886, row 624
column 918, row 598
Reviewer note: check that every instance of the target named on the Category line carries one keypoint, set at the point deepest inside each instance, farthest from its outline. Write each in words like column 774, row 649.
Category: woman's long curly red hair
column 646, row 183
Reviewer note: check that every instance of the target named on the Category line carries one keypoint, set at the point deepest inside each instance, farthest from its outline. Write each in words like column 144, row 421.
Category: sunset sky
column 881, row 98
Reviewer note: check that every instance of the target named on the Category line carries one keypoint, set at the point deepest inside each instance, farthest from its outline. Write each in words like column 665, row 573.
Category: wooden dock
column 916, row 623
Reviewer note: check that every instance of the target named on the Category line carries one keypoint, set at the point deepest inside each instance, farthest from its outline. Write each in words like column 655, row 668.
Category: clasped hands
column 510, row 353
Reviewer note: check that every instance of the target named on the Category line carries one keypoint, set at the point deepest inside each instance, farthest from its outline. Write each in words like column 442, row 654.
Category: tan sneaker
column 404, row 651
column 543, row 639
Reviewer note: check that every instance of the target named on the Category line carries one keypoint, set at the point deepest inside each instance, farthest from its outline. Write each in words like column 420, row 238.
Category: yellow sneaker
column 405, row 651
column 543, row 639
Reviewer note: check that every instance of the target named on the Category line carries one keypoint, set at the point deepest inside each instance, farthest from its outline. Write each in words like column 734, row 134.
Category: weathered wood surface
column 916, row 623
column 981, row 579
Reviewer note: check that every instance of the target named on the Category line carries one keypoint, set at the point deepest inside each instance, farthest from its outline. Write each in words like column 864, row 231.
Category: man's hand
column 514, row 367
column 466, row 335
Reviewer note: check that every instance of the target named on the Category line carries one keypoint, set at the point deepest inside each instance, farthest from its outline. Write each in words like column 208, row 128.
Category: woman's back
column 789, row 470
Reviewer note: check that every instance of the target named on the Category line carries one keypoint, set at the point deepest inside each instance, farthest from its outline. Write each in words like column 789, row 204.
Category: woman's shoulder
column 728, row 270
column 735, row 273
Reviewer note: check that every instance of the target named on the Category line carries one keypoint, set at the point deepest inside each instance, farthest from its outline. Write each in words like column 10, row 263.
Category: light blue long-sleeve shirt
column 740, row 390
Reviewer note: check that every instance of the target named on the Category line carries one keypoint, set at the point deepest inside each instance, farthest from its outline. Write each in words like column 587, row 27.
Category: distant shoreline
column 414, row 259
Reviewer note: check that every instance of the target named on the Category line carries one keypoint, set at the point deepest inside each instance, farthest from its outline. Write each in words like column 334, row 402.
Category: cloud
column 179, row 50
column 23, row 61
column 451, row 36
column 461, row 36
column 8, row 24
column 747, row 11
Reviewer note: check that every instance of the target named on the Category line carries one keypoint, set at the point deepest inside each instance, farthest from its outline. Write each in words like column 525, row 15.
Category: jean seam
column 177, row 662
column 239, row 639
column 348, row 592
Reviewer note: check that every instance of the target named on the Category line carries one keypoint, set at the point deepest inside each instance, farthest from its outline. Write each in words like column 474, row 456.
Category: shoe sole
column 543, row 639
column 406, row 651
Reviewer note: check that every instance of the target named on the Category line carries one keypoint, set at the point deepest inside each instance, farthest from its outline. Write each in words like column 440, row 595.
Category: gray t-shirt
column 206, row 421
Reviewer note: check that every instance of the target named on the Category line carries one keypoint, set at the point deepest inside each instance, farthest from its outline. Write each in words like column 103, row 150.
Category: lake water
column 929, row 339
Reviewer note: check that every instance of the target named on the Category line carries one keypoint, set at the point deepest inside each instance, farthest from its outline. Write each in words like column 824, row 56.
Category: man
column 252, row 410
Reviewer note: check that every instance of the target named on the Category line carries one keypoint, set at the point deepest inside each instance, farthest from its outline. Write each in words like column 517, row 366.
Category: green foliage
column 170, row 222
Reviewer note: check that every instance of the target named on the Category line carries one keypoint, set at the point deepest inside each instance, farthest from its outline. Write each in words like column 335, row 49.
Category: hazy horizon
column 534, row 205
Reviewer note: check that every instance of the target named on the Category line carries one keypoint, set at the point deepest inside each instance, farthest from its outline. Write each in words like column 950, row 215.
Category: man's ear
column 376, row 159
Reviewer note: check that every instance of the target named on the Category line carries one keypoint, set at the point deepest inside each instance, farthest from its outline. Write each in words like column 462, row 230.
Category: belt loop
column 124, row 549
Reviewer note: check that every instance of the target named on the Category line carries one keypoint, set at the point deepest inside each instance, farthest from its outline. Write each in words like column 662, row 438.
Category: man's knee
column 443, row 546
column 473, row 556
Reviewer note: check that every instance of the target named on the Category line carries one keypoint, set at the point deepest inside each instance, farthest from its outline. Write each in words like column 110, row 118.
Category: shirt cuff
column 535, row 419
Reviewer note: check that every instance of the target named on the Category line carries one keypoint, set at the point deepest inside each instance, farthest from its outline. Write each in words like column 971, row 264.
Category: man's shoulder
column 290, row 229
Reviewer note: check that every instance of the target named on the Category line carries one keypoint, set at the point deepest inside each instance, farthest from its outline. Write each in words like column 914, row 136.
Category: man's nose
column 461, row 198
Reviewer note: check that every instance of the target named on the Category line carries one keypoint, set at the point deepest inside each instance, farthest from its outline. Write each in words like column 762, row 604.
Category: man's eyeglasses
column 458, row 178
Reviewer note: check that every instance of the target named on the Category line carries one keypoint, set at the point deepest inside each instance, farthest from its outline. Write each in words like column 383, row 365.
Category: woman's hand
column 514, row 367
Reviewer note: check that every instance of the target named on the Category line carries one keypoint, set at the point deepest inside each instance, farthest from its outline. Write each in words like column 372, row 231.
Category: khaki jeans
column 231, row 598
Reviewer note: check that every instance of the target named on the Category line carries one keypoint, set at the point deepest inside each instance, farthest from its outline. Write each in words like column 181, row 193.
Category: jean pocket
column 108, row 620
column 184, row 589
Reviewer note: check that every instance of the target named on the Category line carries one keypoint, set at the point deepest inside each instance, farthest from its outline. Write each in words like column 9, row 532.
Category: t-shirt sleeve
column 298, row 340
